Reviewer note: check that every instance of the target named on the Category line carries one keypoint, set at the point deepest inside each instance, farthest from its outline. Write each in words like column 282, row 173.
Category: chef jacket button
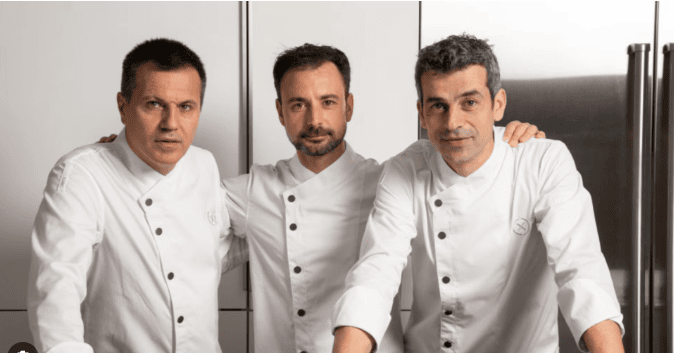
column 301, row 312
column 448, row 312
column 293, row 226
column 291, row 198
column 170, row 275
column 445, row 279
column 180, row 319
column 448, row 344
column 438, row 203
column 158, row 231
column 442, row 235
column 148, row 202
column 297, row 269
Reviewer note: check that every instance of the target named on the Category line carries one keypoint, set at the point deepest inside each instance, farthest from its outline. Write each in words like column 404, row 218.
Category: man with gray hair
column 500, row 236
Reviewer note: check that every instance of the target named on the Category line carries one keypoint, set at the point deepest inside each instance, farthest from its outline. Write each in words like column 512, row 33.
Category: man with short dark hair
column 500, row 236
column 130, row 239
column 304, row 217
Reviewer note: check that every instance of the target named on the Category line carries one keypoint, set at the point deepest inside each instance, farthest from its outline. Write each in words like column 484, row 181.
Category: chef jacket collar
column 147, row 176
column 479, row 178
column 339, row 167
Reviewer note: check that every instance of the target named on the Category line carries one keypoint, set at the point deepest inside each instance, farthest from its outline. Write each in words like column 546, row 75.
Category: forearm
column 350, row 339
column 604, row 337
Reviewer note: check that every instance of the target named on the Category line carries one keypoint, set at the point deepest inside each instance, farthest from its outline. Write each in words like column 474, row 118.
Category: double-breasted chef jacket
column 125, row 259
column 493, row 254
column 304, row 232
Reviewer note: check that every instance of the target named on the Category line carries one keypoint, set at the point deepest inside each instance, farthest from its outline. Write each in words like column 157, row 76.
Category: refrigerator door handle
column 639, row 126
column 667, row 114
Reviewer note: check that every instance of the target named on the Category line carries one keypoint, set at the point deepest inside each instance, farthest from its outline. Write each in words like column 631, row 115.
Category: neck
column 317, row 164
column 467, row 168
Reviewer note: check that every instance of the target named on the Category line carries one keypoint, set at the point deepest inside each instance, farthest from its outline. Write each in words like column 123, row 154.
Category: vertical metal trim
column 667, row 115
column 654, row 153
column 245, row 130
column 420, row 132
column 249, row 85
column 639, row 125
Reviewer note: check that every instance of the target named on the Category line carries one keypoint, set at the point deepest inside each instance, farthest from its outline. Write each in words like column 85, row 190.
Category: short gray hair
column 458, row 52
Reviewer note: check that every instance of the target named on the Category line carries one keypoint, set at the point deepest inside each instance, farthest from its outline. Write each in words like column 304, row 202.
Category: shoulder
column 414, row 157
column 200, row 157
column 540, row 149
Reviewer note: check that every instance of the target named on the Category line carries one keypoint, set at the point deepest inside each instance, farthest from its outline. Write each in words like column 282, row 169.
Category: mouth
column 455, row 141
column 315, row 138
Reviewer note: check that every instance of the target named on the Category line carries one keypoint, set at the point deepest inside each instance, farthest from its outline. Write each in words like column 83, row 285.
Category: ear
column 499, row 104
column 349, row 107
column 121, row 103
column 422, row 119
column 279, row 110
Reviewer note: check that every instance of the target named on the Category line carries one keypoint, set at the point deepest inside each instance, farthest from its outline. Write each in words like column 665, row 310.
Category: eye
column 297, row 106
column 470, row 103
column 439, row 106
column 153, row 104
column 329, row 102
column 186, row 107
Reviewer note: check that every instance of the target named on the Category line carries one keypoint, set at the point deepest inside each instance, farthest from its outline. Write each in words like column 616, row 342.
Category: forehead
column 183, row 82
column 322, row 79
column 471, row 77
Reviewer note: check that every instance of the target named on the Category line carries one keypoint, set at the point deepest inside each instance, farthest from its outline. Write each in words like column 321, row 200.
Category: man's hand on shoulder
column 350, row 339
column 517, row 132
column 110, row 138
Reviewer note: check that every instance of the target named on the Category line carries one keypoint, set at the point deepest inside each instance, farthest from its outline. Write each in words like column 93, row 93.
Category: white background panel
column 60, row 70
column 58, row 87
column 381, row 41
column 546, row 39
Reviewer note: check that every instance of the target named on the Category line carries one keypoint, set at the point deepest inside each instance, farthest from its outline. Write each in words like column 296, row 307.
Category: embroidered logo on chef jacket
column 212, row 218
column 522, row 226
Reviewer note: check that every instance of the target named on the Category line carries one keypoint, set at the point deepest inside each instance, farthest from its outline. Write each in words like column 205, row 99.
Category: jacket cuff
column 363, row 308
column 584, row 304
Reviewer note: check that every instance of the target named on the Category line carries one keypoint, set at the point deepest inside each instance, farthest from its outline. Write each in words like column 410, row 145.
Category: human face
column 459, row 115
column 162, row 117
column 315, row 110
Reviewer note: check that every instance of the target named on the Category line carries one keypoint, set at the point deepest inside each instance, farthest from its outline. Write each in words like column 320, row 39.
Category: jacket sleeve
column 565, row 218
column 235, row 203
column 374, row 280
column 67, row 227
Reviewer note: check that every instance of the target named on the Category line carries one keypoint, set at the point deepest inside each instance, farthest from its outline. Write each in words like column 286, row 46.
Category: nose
column 170, row 116
column 314, row 116
column 454, row 118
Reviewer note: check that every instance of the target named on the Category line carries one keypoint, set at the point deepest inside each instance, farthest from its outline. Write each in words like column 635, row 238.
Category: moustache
column 315, row 132
column 455, row 134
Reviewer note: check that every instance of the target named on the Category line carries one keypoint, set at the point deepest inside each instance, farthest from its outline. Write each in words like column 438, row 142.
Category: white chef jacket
column 304, row 232
column 126, row 259
column 493, row 253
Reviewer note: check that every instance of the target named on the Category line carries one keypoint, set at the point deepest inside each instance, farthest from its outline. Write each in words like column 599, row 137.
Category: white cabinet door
column 60, row 70
column 381, row 41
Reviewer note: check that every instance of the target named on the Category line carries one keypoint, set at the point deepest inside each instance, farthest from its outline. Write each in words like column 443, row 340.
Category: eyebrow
column 155, row 98
column 473, row 92
column 323, row 97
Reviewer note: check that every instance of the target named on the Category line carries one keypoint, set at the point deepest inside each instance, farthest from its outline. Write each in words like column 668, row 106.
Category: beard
column 317, row 151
